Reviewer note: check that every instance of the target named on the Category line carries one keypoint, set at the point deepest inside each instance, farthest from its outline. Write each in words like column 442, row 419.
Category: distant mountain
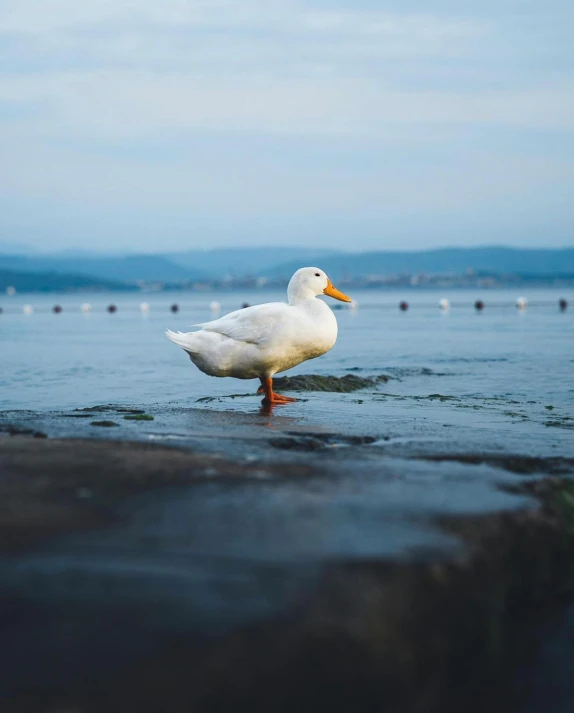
column 129, row 269
column 241, row 262
column 447, row 261
column 279, row 263
column 53, row 282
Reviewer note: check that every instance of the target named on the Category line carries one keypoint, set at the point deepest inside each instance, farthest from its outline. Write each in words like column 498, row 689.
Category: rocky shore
column 442, row 629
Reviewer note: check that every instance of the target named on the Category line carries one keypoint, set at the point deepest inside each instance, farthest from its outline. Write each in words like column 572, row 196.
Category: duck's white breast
column 309, row 331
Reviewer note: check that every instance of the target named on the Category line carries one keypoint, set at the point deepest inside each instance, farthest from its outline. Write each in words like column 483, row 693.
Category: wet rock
column 371, row 635
column 337, row 384
column 306, row 443
column 439, row 397
column 139, row 417
column 303, row 441
column 436, row 632
column 40, row 479
column 109, row 408
column 523, row 465
column 17, row 431
column 104, row 424
column 561, row 422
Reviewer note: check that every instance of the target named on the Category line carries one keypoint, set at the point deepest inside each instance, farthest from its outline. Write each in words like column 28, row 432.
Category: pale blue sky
column 163, row 126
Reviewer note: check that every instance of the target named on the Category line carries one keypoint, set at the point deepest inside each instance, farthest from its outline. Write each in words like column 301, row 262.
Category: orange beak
column 334, row 292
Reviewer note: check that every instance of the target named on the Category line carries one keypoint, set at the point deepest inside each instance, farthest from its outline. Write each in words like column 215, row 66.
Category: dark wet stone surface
column 54, row 485
column 295, row 440
column 512, row 463
column 337, row 384
column 185, row 599
column 12, row 430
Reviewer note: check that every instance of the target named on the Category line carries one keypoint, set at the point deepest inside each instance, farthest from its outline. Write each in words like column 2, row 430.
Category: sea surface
column 64, row 360
column 512, row 363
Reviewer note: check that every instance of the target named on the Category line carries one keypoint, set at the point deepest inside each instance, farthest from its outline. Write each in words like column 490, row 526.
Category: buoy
column 563, row 304
column 174, row 308
column 112, row 309
column 403, row 306
column 144, row 307
column 86, row 307
column 479, row 305
column 56, row 309
column 521, row 303
column 244, row 305
column 28, row 309
column 444, row 304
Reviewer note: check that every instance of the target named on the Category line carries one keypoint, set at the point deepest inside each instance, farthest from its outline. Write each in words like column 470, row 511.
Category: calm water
column 72, row 359
column 500, row 368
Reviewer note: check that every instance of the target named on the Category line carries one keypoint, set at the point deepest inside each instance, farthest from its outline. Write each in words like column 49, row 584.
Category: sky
column 408, row 124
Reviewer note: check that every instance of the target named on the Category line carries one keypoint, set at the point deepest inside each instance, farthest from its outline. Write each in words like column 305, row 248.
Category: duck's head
column 309, row 282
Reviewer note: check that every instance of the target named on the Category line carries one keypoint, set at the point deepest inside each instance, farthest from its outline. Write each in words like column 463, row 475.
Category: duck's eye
column 317, row 274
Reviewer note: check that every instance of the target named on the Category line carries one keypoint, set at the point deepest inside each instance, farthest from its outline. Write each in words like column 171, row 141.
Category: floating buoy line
column 521, row 304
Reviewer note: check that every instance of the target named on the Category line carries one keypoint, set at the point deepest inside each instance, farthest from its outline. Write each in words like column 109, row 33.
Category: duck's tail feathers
column 182, row 339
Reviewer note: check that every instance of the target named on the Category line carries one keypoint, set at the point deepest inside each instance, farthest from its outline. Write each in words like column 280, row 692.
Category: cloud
column 184, row 111
column 223, row 37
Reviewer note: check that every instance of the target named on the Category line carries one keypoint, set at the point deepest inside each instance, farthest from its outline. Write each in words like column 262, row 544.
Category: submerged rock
column 297, row 441
column 12, row 430
column 522, row 465
column 107, row 408
column 337, row 384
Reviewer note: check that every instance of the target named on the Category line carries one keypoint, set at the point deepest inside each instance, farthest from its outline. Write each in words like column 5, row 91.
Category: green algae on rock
column 138, row 417
column 336, row 384
column 106, row 408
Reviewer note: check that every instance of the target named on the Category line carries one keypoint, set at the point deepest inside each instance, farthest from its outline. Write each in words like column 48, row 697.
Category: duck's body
column 261, row 341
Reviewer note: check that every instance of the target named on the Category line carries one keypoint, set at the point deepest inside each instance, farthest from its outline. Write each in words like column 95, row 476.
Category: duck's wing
column 252, row 325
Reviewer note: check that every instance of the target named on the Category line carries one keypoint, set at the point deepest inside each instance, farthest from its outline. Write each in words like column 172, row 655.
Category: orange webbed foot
column 270, row 396
column 278, row 399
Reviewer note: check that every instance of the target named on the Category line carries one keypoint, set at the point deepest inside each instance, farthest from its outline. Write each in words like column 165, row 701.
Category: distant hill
column 279, row 263
column 54, row 282
column 130, row 269
column 241, row 262
column 447, row 261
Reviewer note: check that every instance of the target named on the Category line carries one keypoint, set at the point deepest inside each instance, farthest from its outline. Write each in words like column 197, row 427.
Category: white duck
column 260, row 341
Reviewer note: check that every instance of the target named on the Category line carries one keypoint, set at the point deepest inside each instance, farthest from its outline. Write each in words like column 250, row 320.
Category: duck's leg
column 270, row 396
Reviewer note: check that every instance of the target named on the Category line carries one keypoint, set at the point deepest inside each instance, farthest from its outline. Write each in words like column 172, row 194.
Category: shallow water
column 504, row 371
